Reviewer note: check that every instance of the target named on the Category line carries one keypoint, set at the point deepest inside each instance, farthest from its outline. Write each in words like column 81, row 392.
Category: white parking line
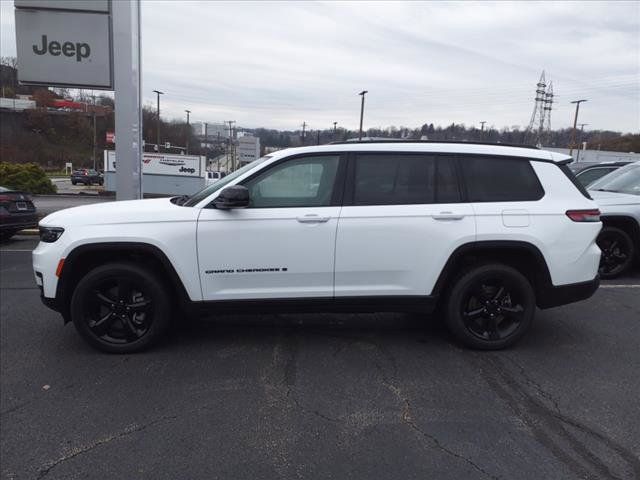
column 619, row 286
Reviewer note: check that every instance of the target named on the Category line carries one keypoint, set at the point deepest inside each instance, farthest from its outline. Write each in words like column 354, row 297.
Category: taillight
column 5, row 198
column 584, row 215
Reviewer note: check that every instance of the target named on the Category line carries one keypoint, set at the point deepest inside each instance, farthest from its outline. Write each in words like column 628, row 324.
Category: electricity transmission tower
column 541, row 116
column 548, row 105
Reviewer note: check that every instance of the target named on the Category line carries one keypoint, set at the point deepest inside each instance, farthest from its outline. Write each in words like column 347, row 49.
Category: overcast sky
column 277, row 64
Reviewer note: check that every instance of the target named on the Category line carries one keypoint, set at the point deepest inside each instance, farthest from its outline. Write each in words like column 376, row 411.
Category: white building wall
column 248, row 149
column 597, row 156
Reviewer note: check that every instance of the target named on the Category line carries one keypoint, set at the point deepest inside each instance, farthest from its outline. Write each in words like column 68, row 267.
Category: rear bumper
column 19, row 221
column 554, row 296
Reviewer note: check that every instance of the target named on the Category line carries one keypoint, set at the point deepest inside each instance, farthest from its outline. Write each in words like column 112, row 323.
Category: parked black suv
column 86, row 176
column 17, row 212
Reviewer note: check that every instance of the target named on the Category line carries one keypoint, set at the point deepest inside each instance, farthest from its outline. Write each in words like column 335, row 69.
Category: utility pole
column 582, row 125
column 95, row 139
column 318, row 141
column 231, row 146
column 206, row 142
column 188, row 131
column 158, row 93
column 362, row 94
column 304, row 127
column 482, row 127
column 575, row 123
column 335, row 127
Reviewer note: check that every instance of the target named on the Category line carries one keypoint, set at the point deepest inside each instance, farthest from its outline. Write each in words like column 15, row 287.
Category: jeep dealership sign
column 67, row 44
column 163, row 164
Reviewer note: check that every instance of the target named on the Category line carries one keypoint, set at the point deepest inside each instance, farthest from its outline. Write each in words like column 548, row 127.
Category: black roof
column 398, row 140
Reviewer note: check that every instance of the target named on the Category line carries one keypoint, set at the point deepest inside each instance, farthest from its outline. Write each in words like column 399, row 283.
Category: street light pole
column 575, row 123
column 582, row 125
column 335, row 129
column 158, row 93
column 188, row 131
column 362, row 94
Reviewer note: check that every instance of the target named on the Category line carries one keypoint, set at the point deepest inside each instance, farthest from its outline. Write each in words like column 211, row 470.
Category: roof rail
column 398, row 140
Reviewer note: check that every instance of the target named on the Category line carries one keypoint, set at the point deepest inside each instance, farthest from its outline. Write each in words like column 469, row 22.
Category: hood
column 122, row 212
column 614, row 198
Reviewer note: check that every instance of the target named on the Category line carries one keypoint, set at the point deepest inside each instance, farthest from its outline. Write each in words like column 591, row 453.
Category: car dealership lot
column 294, row 396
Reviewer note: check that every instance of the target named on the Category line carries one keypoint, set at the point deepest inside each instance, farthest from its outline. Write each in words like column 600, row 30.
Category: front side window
column 301, row 182
column 404, row 179
column 491, row 179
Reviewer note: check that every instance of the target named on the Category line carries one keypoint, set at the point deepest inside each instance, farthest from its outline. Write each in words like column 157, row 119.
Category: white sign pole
column 128, row 98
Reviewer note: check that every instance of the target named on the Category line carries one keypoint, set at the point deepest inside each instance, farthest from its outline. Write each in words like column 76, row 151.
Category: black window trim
column 338, row 184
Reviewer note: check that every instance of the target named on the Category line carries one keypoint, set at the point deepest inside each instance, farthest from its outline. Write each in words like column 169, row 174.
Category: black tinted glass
column 500, row 180
column 393, row 179
column 447, row 186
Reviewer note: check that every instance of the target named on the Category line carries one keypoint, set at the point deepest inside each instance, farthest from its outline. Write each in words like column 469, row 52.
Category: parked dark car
column 86, row 176
column 590, row 172
column 17, row 212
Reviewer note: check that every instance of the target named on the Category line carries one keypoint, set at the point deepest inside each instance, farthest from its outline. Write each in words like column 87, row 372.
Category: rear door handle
column 312, row 218
column 448, row 216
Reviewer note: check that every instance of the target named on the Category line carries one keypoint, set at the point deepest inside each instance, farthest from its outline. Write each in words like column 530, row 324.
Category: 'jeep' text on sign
column 63, row 48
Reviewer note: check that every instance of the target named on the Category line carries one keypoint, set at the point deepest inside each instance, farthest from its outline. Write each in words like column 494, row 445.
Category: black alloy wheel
column 617, row 252
column 490, row 307
column 120, row 308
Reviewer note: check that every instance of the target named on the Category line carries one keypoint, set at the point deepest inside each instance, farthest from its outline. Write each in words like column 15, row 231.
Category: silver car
column 618, row 196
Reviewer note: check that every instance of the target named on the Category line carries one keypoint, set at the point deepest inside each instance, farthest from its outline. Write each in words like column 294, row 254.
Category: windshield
column 623, row 180
column 205, row 192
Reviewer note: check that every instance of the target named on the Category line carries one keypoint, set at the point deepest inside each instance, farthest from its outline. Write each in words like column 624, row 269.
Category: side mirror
column 235, row 196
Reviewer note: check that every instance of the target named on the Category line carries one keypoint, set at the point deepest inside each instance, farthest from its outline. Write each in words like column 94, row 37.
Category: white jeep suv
column 484, row 232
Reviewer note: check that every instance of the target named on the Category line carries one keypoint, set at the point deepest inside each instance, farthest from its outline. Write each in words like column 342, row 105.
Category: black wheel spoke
column 131, row 332
column 102, row 326
column 473, row 314
column 513, row 312
column 492, row 328
column 138, row 306
column 499, row 294
column 104, row 300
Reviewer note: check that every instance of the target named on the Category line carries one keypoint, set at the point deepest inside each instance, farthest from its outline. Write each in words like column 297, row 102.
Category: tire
column 73, row 182
column 618, row 252
column 490, row 307
column 120, row 308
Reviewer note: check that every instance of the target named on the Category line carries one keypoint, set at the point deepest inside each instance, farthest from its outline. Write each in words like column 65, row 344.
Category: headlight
column 50, row 234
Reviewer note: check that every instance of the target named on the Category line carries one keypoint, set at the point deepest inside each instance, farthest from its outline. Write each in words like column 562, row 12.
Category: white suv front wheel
column 490, row 307
column 120, row 308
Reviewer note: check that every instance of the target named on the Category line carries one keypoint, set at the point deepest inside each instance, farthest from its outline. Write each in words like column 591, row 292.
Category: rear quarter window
column 572, row 178
column 492, row 179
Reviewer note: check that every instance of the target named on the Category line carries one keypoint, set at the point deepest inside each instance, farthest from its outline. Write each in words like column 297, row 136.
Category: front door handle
column 313, row 218
column 448, row 216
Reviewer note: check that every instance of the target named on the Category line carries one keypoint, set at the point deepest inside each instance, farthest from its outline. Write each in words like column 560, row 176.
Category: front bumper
column 554, row 296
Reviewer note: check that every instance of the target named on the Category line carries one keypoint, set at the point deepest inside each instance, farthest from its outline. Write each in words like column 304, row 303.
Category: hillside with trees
column 51, row 136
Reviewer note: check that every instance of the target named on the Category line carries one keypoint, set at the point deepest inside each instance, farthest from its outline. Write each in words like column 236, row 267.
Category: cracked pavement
column 320, row 396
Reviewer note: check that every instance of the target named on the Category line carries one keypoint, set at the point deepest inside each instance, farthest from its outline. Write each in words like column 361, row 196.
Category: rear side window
column 490, row 179
column 403, row 179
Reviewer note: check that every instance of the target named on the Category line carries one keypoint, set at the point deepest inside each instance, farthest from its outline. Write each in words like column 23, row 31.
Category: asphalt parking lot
column 320, row 396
